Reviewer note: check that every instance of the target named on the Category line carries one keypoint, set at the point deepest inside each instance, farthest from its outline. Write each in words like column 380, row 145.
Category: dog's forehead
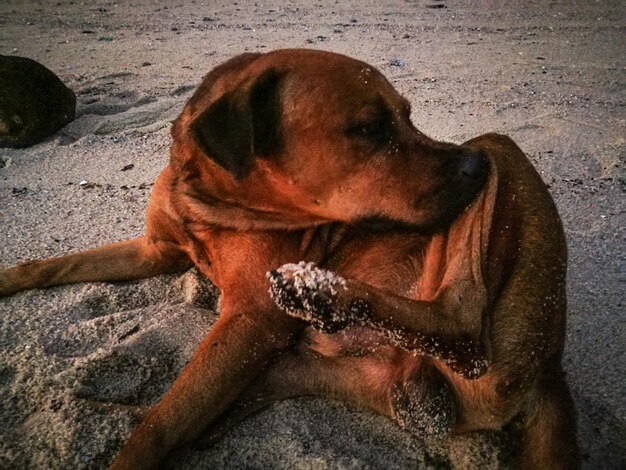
column 331, row 82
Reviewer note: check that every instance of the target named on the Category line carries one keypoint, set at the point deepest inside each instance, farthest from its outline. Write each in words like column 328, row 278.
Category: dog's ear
column 242, row 124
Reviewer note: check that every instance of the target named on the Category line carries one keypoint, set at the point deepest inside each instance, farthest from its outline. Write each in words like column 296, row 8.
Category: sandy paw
column 311, row 293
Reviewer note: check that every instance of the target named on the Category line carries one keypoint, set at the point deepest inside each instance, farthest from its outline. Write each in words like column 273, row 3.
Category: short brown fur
column 457, row 252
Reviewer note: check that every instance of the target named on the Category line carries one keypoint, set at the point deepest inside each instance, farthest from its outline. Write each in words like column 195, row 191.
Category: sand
column 552, row 77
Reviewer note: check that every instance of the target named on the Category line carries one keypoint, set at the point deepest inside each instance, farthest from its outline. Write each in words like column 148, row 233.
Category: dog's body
column 444, row 319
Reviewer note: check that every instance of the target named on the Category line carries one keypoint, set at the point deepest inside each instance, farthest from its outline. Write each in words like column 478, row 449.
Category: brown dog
column 443, row 318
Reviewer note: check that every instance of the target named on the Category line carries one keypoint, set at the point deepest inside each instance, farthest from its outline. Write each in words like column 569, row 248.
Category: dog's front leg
column 232, row 354
column 249, row 331
column 329, row 303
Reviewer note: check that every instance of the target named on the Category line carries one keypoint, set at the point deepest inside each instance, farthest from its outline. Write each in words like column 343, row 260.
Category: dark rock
column 34, row 102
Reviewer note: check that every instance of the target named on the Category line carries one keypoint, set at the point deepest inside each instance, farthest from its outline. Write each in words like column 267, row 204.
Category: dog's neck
column 226, row 213
column 216, row 198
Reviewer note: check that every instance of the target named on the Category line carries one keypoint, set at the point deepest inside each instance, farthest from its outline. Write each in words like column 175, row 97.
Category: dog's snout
column 473, row 164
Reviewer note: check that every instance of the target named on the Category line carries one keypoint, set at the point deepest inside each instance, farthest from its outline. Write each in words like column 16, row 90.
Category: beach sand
column 552, row 77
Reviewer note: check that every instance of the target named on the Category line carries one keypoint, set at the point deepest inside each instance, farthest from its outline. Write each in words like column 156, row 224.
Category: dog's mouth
column 378, row 223
column 383, row 224
column 446, row 203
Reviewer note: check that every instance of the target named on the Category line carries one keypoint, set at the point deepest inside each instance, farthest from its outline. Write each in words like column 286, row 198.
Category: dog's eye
column 372, row 128
column 377, row 131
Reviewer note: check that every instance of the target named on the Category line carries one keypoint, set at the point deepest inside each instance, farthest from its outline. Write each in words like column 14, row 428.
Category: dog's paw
column 311, row 293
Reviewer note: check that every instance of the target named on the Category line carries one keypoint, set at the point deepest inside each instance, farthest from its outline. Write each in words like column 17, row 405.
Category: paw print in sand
column 311, row 293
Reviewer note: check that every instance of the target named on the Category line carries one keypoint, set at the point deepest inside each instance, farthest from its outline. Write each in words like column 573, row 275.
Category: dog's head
column 325, row 137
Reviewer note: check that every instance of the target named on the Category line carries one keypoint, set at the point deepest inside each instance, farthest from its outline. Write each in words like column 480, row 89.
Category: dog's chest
column 390, row 261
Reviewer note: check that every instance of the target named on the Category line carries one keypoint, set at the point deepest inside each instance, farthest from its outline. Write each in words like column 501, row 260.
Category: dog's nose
column 473, row 164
